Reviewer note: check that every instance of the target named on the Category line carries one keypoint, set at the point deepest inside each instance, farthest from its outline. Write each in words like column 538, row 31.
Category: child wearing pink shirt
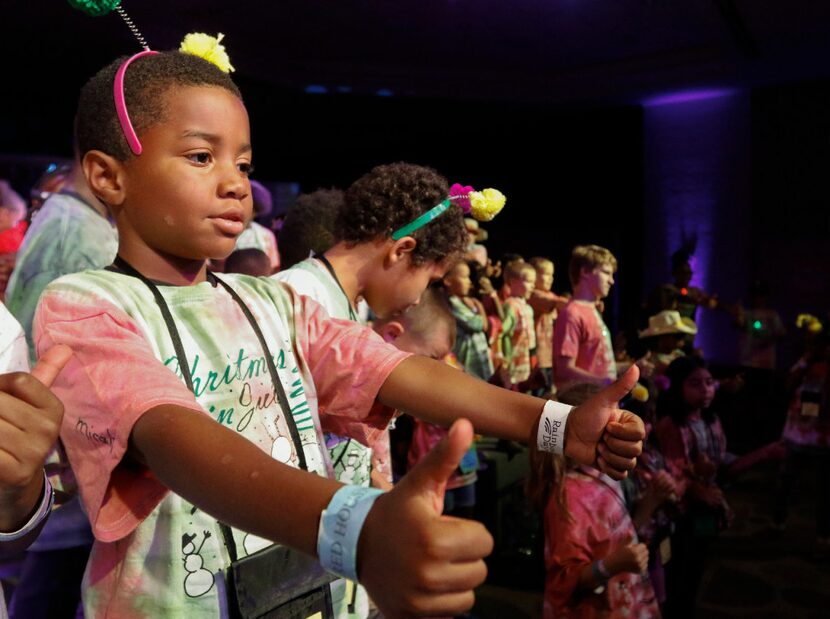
column 596, row 565
column 581, row 341
column 545, row 304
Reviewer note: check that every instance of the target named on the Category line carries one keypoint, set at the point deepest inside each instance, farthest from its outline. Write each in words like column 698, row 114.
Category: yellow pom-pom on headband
column 197, row 44
column 809, row 322
column 482, row 205
column 207, row 47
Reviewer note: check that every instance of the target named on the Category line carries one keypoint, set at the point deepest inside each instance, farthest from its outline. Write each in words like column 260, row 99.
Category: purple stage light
column 686, row 96
column 697, row 178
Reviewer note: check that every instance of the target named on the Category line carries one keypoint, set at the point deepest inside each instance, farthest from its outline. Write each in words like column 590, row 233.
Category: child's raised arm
column 597, row 433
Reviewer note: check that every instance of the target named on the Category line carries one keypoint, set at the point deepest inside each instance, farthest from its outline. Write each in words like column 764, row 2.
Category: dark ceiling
column 563, row 51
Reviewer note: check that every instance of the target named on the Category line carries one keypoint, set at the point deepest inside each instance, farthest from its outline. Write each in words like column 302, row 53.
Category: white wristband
column 39, row 516
column 551, row 434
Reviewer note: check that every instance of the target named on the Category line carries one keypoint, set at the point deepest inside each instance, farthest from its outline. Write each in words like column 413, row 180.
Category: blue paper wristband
column 340, row 525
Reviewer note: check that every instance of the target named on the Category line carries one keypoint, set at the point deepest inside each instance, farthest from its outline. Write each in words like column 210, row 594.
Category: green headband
column 420, row 222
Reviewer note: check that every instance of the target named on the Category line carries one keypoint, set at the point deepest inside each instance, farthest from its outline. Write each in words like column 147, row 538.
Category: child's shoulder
column 581, row 492
column 266, row 288
column 89, row 283
column 572, row 311
column 306, row 275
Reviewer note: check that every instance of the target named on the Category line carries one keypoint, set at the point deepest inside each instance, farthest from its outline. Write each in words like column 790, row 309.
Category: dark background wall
column 789, row 224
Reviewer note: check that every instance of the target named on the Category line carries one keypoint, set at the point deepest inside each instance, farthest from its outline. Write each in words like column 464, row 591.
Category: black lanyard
column 330, row 269
column 128, row 269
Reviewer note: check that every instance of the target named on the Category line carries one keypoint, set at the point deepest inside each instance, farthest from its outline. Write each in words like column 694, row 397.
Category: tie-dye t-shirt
column 520, row 333
column 14, row 354
column 257, row 236
column 580, row 333
column 598, row 525
column 157, row 555
column 351, row 458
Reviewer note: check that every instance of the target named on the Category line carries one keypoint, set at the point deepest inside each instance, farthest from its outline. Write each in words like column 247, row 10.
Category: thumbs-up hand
column 30, row 421
column 414, row 561
column 599, row 434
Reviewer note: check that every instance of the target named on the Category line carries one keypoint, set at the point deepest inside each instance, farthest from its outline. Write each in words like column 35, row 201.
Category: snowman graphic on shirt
column 198, row 580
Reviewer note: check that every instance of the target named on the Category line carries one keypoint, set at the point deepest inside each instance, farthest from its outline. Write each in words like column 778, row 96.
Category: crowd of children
column 207, row 416
column 225, row 442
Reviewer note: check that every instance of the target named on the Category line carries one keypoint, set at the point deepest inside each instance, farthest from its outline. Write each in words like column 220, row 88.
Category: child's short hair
column 420, row 320
column 539, row 261
column 508, row 258
column 588, row 257
column 392, row 196
column 249, row 261
column 515, row 269
column 145, row 82
column 309, row 225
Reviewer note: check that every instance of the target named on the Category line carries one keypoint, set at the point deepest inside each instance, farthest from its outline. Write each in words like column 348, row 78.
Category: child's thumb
column 618, row 390
column 48, row 367
column 431, row 473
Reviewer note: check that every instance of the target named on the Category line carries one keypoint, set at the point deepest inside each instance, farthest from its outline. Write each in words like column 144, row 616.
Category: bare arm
column 597, row 433
column 437, row 561
column 229, row 477
column 439, row 394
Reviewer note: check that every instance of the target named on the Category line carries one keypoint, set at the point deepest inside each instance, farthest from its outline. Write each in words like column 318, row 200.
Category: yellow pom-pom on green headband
column 482, row 205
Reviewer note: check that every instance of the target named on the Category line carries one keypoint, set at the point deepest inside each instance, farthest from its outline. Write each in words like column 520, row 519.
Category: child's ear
column 104, row 175
column 391, row 331
column 401, row 250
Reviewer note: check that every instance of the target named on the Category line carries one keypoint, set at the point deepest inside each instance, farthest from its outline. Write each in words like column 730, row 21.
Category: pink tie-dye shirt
column 156, row 554
column 599, row 525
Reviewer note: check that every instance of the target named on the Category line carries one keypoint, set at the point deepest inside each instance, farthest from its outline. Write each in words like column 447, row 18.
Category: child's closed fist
column 632, row 558
column 414, row 561
column 664, row 486
column 599, row 434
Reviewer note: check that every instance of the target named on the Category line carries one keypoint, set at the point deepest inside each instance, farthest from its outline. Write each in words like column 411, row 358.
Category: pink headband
column 121, row 103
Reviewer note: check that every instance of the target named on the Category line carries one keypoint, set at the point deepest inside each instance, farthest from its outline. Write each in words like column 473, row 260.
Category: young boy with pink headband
column 192, row 399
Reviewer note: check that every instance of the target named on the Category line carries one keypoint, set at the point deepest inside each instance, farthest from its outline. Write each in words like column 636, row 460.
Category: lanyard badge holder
column 276, row 582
